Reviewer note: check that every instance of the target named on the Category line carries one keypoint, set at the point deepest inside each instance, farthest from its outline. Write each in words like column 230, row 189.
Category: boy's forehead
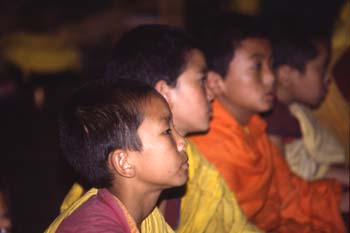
column 255, row 48
column 158, row 107
column 254, row 45
column 196, row 60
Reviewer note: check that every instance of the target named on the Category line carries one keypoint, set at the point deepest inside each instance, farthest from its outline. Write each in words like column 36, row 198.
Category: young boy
column 108, row 133
column 303, row 72
column 171, row 61
column 271, row 196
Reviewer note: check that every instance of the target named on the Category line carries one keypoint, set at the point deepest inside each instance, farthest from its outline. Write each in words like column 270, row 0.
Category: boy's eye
column 258, row 66
column 203, row 79
column 167, row 132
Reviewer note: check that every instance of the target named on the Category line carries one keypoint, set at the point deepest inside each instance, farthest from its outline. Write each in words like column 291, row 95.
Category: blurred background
column 49, row 47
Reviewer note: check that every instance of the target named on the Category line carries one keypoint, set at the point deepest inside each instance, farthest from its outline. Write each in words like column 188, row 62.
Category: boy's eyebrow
column 166, row 118
column 258, row 55
column 203, row 69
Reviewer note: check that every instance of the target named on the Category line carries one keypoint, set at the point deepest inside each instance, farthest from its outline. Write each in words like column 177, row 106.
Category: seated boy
column 302, row 71
column 271, row 196
column 108, row 133
column 171, row 61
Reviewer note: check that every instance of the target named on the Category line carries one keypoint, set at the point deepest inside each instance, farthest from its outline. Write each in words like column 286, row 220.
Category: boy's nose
column 209, row 93
column 180, row 141
column 269, row 78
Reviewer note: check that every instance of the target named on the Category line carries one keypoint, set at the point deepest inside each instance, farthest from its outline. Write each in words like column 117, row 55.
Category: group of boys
column 125, row 135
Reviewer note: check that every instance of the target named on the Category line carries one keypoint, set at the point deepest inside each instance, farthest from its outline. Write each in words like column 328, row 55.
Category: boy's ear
column 214, row 82
column 120, row 162
column 164, row 89
column 285, row 75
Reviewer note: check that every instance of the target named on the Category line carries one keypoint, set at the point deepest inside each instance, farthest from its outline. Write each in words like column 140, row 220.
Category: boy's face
column 190, row 100
column 248, row 87
column 310, row 87
column 162, row 163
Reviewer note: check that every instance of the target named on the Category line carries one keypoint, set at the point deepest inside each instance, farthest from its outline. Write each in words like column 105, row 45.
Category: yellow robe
column 209, row 205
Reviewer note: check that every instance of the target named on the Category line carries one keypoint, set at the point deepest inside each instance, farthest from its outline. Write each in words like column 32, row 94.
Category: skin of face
column 162, row 162
column 310, row 87
column 249, row 85
column 190, row 100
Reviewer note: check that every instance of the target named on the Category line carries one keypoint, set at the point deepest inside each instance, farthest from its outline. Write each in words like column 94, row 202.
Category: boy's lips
column 270, row 96
column 210, row 112
column 185, row 165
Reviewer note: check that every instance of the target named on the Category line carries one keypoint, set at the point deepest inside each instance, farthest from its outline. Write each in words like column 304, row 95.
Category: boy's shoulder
column 97, row 210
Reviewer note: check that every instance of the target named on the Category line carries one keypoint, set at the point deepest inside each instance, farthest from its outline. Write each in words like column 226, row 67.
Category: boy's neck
column 241, row 116
column 138, row 204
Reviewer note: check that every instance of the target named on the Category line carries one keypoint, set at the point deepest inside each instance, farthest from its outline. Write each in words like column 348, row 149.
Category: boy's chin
column 265, row 108
column 313, row 104
column 202, row 129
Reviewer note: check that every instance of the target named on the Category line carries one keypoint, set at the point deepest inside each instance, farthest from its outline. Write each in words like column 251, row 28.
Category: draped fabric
column 271, row 196
column 208, row 204
column 310, row 154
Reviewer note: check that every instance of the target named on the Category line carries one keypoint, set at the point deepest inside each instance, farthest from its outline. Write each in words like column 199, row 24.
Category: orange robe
column 271, row 196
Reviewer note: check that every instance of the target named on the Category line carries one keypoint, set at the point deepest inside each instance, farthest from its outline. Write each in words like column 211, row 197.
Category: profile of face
column 249, row 85
column 310, row 87
column 162, row 162
column 5, row 221
column 190, row 100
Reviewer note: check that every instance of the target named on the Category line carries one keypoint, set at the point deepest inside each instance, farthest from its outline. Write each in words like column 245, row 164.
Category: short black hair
column 100, row 117
column 223, row 34
column 152, row 52
column 297, row 48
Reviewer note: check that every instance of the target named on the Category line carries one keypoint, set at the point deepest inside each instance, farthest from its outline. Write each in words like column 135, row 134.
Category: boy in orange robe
column 271, row 196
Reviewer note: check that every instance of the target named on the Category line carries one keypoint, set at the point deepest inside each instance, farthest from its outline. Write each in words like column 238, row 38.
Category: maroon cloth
column 101, row 213
column 342, row 74
column 172, row 212
column 282, row 123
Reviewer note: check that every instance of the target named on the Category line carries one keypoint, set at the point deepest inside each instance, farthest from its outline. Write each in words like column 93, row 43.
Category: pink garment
column 101, row 213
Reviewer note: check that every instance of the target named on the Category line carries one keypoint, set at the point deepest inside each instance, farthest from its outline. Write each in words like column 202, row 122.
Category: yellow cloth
column 334, row 115
column 246, row 7
column 208, row 205
column 310, row 156
column 40, row 53
column 74, row 193
column 341, row 34
column 334, row 111
column 154, row 223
